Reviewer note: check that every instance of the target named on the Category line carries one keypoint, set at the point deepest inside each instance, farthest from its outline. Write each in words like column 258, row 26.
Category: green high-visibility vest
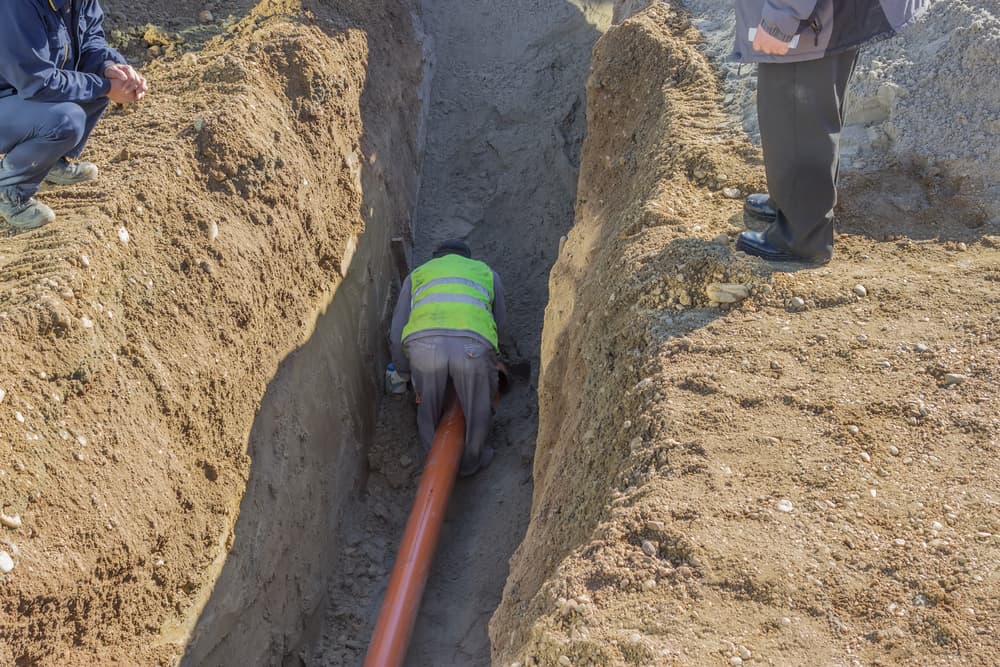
column 452, row 292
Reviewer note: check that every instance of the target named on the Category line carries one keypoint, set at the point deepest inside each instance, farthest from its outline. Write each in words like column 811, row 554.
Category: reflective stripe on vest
column 452, row 292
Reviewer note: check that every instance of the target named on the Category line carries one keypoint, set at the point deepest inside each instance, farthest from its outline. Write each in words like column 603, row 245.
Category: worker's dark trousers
column 800, row 109
column 35, row 135
column 471, row 366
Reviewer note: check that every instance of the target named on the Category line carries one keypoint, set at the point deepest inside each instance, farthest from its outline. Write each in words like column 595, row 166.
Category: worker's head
column 453, row 247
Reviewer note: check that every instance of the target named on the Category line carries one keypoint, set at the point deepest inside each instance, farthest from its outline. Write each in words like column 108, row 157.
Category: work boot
column 23, row 215
column 70, row 173
column 759, row 206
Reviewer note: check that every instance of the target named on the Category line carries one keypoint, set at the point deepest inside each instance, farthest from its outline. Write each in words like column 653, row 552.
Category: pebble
column 954, row 378
column 11, row 521
column 786, row 621
column 894, row 450
column 79, row 457
column 649, row 548
column 745, row 652
column 6, row 562
column 866, row 457
column 899, row 542
column 86, row 322
column 885, row 363
column 205, row 16
column 213, row 231
column 784, row 505
column 84, row 260
column 736, row 660
column 649, row 584
column 796, row 302
column 405, row 460
column 731, row 193
column 3, row 395
column 19, row 417
column 564, row 660
column 123, row 235
column 860, row 290
column 921, row 347
column 853, row 430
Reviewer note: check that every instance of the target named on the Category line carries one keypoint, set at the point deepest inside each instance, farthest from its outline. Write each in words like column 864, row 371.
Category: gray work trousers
column 470, row 364
column 800, row 109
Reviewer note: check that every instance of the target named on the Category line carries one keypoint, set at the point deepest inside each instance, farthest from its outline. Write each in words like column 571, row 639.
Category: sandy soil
column 804, row 477
column 142, row 330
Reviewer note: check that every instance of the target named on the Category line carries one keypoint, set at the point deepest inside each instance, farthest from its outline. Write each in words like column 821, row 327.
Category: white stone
column 954, row 378
column 866, row 457
column 84, row 260
column 745, row 652
column 3, row 395
column 731, row 193
column 736, row 660
column 784, row 505
column 19, row 417
column 796, row 302
column 648, row 548
column 6, row 562
column 11, row 521
column 213, row 231
column 894, row 450
column 853, row 430
column 86, row 322
column 123, row 235
column 860, row 290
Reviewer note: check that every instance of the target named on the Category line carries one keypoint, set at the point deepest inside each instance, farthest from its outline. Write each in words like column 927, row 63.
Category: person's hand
column 119, row 93
column 766, row 43
column 131, row 80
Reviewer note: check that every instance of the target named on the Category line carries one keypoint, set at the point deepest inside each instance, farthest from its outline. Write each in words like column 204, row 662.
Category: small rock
column 796, row 303
column 86, row 322
column 6, row 562
column 894, row 450
column 736, row 660
column 785, row 621
column 921, row 347
column 123, row 235
column 684, row 572
column 649, row 548
column 405, row 460
column 784, row 505
column 564, row 660
column 745, row 652
column 954, row 378
column 899, row 542
column 649, row 584
column 731, row 193
column 885, row 363
column 19, row 417
column 205, row 16
column 11, row 521
column 213, row 231
column 853, row 430
column 727, row 292
column 962, row 246
column 3, row 395
column 79, row 457
column 84, row 260
column 860, row 290
column 189, row 59
column 866, row 457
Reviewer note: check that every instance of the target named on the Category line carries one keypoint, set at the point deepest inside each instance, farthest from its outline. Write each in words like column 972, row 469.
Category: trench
column 505, row 128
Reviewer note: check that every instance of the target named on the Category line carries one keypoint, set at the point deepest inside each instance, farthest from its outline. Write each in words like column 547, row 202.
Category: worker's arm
column 500, row 317
column 400, row 316
column 95, row 54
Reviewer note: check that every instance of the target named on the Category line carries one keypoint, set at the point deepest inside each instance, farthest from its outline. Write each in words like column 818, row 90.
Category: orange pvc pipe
column 416, row 552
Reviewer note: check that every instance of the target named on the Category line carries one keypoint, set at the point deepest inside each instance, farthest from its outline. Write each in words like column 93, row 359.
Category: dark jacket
column 54, row 50
column 820, row 27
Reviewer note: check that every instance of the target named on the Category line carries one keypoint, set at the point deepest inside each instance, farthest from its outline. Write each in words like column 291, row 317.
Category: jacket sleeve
column 400, row 316
column 782, row 18
column 94, row 49
column 499, row 307
column 25, row 64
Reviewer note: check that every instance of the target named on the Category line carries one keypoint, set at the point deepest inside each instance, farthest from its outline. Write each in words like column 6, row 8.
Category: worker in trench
column 57, row 76
column 446, row 327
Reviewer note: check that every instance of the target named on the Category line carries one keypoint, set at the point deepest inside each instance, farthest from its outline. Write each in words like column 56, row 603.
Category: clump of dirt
column 804, row 476
column 141, row 330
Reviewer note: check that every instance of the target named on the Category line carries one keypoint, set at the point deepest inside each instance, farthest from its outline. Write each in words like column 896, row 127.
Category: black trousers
column 800, row 109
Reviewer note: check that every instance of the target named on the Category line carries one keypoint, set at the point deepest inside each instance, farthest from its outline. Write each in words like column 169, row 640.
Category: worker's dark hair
column 453, row 247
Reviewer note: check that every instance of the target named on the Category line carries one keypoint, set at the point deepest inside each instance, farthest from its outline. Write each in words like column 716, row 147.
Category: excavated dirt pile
column 192, row 340
column 739, row 465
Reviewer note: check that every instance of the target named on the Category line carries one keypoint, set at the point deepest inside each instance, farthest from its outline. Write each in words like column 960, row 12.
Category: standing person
column 806, row 50
column 447, row 326
column 57, row 75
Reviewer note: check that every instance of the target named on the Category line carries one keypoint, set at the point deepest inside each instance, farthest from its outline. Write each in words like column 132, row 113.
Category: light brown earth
column 205, row 476
column 674, row 434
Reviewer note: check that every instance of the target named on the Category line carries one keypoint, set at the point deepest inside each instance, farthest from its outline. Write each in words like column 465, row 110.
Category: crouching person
column 57, row 75
column 446, row 326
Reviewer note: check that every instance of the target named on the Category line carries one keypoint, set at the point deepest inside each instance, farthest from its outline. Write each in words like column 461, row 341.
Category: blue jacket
column 54, row 50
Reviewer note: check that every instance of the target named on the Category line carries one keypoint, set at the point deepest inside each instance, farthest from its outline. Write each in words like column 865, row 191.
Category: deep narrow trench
column 504, row 131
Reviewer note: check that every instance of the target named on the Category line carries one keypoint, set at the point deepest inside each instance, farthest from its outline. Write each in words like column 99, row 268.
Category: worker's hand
column 767, row 43
column 119, row 94
column 131, row 79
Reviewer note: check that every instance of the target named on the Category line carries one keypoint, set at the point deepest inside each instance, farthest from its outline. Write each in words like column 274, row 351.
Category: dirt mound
column 141, row 330
column 803, row 477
